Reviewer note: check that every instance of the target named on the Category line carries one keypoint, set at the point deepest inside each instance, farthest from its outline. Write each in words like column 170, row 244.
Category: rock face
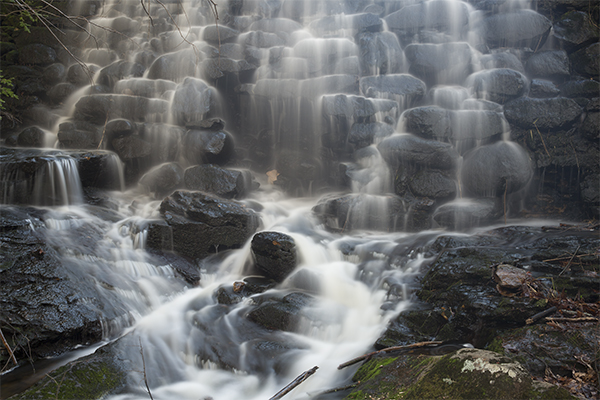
column 196, row 225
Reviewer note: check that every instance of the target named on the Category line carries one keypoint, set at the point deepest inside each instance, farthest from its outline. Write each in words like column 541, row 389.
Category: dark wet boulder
column 131, row 147
column 428, row 122
column 360, row 211
column 283, row 314
column 60, row 92
column 575, row 29
column 79, row 135
column 32, row 137
column 496, row 169
column 433, row 184
column 297, row 166
column 364, row 134
column 274, row 25
column 587, row 61
column 439, row 64
column 118, row 70
column 165, row 140
column 464, row 214
column 80, row 75
column 589, row 127
column 193, row 99
column 356, row 107
column 479, row 104
column 472, row 128
column 551, row 64
column 215, row 68
column 222, row 182
column 498, row 85
column 196, row 225
column 380, row 53
column 321, row 54
column 54, row 73
column 163, row 179
column 262, row 40
column 590, row 194
column 98, row 108
column 406, row 149
column 355, row 23
column 219, row 33
column 144, row 87
column 580, row 88
column 543, row 89
column 37, row 54
column 202, row 146
column 403, row 88
column 552, row 114
column 274, row 254
column 522, row 28
column 118, row 128
column 175, row 66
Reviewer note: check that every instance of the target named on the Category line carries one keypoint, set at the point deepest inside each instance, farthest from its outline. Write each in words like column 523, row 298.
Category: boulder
column 543, row 89
column 175, row 66
column 118, row 70
column 434, row 185
column 406, row 149
column 274, row 254
column 364, row 134
column 283, row 314
column 98, row 108
column 403, row 88
column 439, row 64
column 496, row 169
column 215, row 147
column 163, row 179
column 37, row 54
column 60, row 92
column 550, row 114
column 550, row 64
column 219, row 33
column 580, row 88
column 521, row 28
column 32, row 137
column 380, row 54
column 196, row 225
column 54, row 73
column 586, row 61
column 261, row 40
column 357, row 107
column 78, row 135
column 78, row 75
column 131, row 147
column 222, row 182
column 144, row 87
column 192, row 101
column 498, row 85
column 575, row 29
column 470, row 128
column 502, row 60
column 428, row 122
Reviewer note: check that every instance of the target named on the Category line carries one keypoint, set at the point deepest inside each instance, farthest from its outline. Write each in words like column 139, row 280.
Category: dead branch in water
column 10, row 352
column 144, row 371
column 387, row 350
column 539, row 315
column 301, row 378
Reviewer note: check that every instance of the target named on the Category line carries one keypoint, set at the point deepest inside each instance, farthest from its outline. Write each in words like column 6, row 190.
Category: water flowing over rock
column 499, row 85
column 274, row 254
column 551, row 114
column 404, row 149
column 522, row 28
column 222, row 182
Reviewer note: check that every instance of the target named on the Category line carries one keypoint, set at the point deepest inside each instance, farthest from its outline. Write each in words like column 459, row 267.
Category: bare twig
column 569, row 263
column 144, row 372
column 103, row 130
column 10, row 352
column 387, row 350
column 540, row 315
column 580, row 319
column 147, row 13
column 301, row 378
column 184, row 38
column 541, row 137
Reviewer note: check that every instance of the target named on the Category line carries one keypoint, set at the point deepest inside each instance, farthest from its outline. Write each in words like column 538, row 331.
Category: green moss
column 541, row 303
column 371, row 369
column 496, row 346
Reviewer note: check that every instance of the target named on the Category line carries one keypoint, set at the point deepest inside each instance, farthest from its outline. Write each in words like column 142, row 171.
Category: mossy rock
column 466, row 374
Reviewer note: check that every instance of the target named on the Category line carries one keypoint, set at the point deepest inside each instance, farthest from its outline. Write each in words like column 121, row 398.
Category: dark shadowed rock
column 587, row 61
column 216, row 180
column 364, row 134
column 590, row 194
column 498, row 85
column 575, row 29
column 589, row 127
column 118, row 70
column 163, row 179
column 281, row 314
column 380, row 53
column 522, row 28
column 496, row 169
column 554, row 113
column 200, row 146
column 428, row 122
column 37, row 54
column 219, row 33
column 192, row 100
column 446, row 63
column 406, row 149
column 543, row 89
column 274, row 254
column 580, row 88
column 502, row 60
column 464, row 214
column 100, row 107
column 196, row 225
column 348, row 106
column 79, row 135
column 175, row 66
column 131, row 147
column 79, row 76
column 433, row 184
column 54, row 73
column 472, row 128
column 60, row 92
column 32, row 137
column 551, row 64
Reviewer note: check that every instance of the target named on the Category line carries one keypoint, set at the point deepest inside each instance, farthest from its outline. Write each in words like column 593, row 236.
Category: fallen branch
column 301, row 378
column 569, row 263
column 580, row 319
column 539, row 315
column 10, row 352
column 387, row 350
column 144, row 366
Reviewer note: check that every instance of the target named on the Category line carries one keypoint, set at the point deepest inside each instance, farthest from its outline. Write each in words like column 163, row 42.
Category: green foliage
column 6, row 85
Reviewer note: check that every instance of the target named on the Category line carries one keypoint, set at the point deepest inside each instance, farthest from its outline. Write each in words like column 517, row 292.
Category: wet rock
column 432, row 16
column 219, row 34
column 54, row 74
column 404, row 88
column 589, row 127
column 308, row 88
column 380, row 53
column 364, row 134
column 192, row 100
column 478, row 104
column 585, row 61
column 434, row 185
column 60, row 92
column 522, row 28
column 200, row 146
column 118, row 70
column 131, row 147
column 32, row 137
column 496, row 169
column 297, row 165
column 590, row 194
column 262, row 40
column 498, row 85
column 555, row 113
column 275, row 25
column 274, row 254
column 78, row 135
column 99, row 169
column 465, row 214
column 282, row 315
column 321, row 54
column 355, row 23
column 37, row 54
column 196, row 225
column 213, row 69
column 356, row 107
column 406, row 149
column 98, row 108
column 575, row 29
column 543, row 89
column 219, row 181
column 470, row 128
column 428, row 122
column 360, row 211
column 502, row 60
column 118, row 128
column 144, row 87
column 444, row 64
column 163, row 179
column 175, row 66
column 551, row 64
column 580, row 88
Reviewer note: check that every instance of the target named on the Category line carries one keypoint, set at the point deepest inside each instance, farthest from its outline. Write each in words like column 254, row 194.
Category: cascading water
column 362, row 121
